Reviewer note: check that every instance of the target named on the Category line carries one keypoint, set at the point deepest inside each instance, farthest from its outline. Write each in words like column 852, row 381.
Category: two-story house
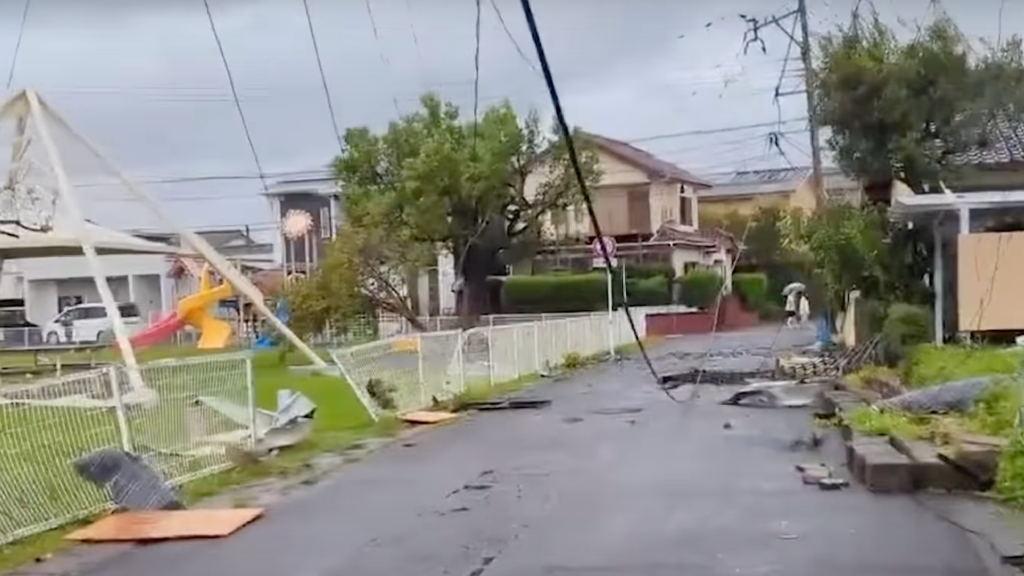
column 637, row 193
column 649, row 205
column 314, row 199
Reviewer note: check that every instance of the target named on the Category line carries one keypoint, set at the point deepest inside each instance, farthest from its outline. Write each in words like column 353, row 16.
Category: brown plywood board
column 427, row 417
column 150, row 525
column 990, row 281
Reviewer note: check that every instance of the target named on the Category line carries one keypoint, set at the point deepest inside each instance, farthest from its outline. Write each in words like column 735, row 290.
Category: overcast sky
column 145, row 81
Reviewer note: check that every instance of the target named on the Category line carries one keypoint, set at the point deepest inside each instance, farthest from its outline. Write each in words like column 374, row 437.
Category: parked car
column 15, row 330
column 90, row 323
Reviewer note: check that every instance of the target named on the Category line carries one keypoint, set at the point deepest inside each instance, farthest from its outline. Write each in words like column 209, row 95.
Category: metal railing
column 413, row 371
column 172, row 424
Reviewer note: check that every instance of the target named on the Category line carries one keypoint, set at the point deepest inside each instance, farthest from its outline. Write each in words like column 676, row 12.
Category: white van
column 90, row 323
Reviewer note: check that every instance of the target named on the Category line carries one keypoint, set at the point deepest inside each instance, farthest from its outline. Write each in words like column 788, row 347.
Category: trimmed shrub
column 552, row 293
column 905, row 327
column 752, row 289
column 700, row 288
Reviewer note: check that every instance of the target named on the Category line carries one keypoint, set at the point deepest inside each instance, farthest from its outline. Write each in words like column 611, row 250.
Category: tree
column 910, row 109
column 432, row 181
column 847, row 246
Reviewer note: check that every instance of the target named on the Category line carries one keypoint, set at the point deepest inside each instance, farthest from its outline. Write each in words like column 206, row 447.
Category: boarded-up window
column 639, row 209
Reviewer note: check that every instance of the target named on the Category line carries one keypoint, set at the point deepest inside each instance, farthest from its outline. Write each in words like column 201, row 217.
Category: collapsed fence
column 173, row 425
column 414, row 371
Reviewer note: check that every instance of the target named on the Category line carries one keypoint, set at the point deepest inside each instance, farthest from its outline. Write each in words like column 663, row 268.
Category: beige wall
column 746, row 205
column 611, row 201
column 989, row 283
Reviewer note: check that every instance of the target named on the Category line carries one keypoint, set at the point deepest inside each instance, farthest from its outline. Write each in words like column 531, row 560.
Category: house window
column 579, row 213
column 326, row 230
column 685, row 212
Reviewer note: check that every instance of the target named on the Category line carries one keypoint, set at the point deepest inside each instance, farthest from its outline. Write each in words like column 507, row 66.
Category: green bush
column 752, row 289
column 700, row 288
column 639, row 271
column 552, row 293
column 905, row 327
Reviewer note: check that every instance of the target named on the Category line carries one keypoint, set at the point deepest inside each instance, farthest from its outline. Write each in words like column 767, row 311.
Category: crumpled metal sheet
column 777, row 394
column 128, row 480
column 956, row 396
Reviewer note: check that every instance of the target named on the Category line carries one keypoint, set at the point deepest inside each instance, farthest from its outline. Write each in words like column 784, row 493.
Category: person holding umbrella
column 793, row 292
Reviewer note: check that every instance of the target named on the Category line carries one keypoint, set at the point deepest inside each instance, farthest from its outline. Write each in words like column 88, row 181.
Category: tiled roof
column 1002, row 144
column 775, row 181
column 644, row 160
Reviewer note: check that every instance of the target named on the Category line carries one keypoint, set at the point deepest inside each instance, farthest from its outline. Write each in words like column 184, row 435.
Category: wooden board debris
column 427, row 417
column 153, row 525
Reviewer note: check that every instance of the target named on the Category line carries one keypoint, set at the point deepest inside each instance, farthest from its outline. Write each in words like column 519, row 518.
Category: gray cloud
column 145, row 79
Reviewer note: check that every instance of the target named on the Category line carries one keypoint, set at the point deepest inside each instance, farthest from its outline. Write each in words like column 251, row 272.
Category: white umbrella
column 793, row 287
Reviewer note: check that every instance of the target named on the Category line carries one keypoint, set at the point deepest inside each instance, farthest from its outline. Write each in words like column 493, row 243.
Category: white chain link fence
column 409, row 372
column 46, row 426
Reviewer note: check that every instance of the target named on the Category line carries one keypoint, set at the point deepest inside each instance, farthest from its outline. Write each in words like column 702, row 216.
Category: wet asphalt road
column 612, row 479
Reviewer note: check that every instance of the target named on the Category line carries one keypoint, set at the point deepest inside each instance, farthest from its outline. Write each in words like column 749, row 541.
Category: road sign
column 598, row 256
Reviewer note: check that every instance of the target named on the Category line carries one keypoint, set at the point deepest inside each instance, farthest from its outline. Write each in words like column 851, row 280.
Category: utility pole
column 812, row 110
column 753, row 37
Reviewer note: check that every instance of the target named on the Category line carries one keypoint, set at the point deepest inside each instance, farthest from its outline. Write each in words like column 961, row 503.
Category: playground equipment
column 267, row 339
column 45, row 201
column 194, row 311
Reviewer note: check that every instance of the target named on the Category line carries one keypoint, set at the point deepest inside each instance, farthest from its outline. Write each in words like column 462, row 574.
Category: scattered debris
column 788, row 537
column 153, row 525
column 290, row 424
column 727, row 425
column 716, row 377
column 820, row 475
column 617, row 411
column 779, row 394
column 508, row 404
column 956, row 396
column 427, row 417
column 131, row 483
column 572, row 419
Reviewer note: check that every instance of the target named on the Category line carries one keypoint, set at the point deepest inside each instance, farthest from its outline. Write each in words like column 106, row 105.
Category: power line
column 234, row 92
column 476, row 73
column 323, row 77
column 380, row 50
column 17, row 44
column 580, row 180
column 515, row 44
column 710, row 131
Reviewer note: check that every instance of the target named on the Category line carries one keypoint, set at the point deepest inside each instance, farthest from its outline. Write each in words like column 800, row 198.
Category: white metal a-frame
column 27, row 110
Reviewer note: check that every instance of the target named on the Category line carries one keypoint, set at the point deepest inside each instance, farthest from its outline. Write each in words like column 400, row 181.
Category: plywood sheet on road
column 427, row 417
column 154, row 525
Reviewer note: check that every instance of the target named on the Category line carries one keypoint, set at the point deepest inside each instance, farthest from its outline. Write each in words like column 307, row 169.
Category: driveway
column 612, row 479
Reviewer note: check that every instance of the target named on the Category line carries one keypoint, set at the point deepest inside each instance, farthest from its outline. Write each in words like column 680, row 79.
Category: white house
column 47, row 285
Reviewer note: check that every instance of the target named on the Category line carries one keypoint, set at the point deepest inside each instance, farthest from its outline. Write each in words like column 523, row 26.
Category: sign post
column 599, row 262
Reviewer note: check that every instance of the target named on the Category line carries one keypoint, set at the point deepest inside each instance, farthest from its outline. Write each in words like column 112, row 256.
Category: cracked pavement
column 612, row 478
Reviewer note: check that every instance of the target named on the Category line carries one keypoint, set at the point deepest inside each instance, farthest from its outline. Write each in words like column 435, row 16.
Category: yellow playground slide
column 196, row 311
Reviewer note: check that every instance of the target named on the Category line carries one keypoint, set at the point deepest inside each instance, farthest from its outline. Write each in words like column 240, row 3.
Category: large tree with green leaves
column 435, row 181
column 909, row 108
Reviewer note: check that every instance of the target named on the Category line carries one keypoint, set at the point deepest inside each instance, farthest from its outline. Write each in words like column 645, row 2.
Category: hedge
column 552, row 293
column 752, row 289
column 700, row 288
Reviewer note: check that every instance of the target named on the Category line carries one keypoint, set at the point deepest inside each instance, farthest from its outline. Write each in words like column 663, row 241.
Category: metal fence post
column 419, row 369
column 119, row 409
column 490, row 353
column 459, row 360
column 536, row 347
column 515, row 351
column 250, row 390
column 568, row 336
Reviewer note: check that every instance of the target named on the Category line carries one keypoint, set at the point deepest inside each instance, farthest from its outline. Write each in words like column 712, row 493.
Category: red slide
column 158, row 331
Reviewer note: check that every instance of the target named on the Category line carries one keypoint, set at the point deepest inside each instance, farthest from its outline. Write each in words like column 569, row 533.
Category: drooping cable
column 17, row 44
column 515, row 44
column 380, row 51
column 476, row 74
column 234, row 95
column 323, row 76
column 581, row 181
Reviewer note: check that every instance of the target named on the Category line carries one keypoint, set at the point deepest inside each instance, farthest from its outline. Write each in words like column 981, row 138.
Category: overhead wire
column 515, row 43
column 323, row 76
column 234, row 93
column 380, row 50
column 581, row 181
column 17, row 44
